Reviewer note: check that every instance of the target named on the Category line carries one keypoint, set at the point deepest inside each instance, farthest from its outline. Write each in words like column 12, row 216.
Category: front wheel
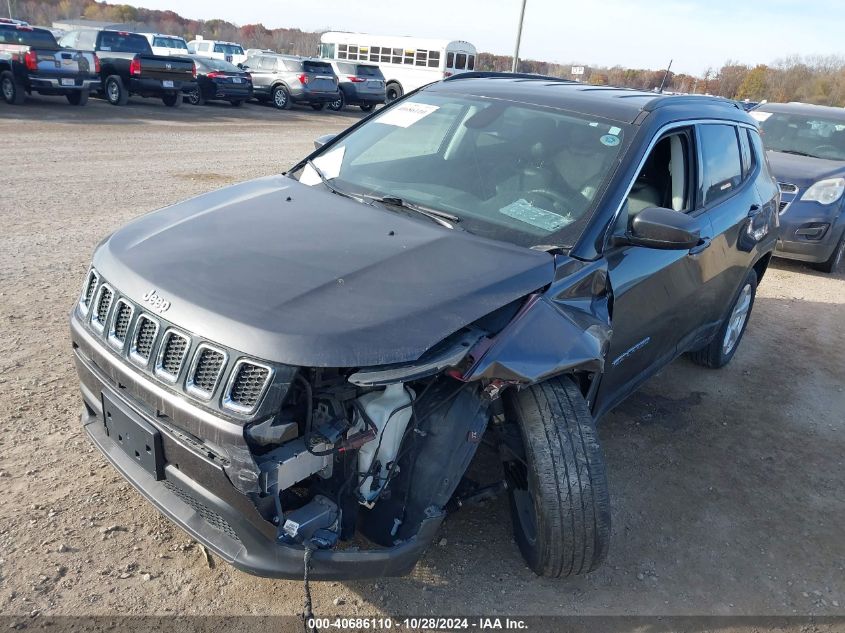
column 172, row 99
column 834, row 262
column 13, row 91
column 560, row 505
column 722, row 348
column 77, row 97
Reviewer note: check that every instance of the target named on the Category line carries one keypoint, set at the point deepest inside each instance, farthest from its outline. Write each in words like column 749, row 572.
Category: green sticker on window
column 524, row 211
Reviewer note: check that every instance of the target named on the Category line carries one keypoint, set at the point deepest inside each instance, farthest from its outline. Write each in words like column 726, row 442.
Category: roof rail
column 477, row 74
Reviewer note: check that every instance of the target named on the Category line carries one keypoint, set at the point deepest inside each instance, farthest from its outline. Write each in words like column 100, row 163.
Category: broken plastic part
column 317, row 518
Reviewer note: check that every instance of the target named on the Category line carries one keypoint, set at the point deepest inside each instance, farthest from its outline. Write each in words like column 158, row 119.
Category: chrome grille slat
column 102, row 305
column 120, row 322
column 246, row 386
column 91, row 281
column 146, row 329
column 171, row 355
column 206, row 369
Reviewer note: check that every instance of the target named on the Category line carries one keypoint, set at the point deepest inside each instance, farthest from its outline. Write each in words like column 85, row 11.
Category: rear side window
column 745, row 150
column 450, row 60
column 722, row 163
column 37, row 38
column 292, row 65
column 119, row 42
column 170, row 42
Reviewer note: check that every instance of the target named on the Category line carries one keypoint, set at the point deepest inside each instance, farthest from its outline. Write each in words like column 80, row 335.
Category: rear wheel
column 13, row 91
column 318, row 106
column 77, row 97
column 195, row 97
column 281, row 98
column 337, row 104
column 394, row 91
column 172, row 99
column 556, row 479
column 116, row 92
column 835, row 261
column 722, row 348
column 367, row 107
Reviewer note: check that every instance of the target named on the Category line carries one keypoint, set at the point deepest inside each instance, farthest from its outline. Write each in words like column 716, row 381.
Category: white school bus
column 406, row 62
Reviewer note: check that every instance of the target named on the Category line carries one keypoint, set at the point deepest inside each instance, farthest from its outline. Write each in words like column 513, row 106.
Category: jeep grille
column 172, row 354
column 145, row 334
column 102, row 310
column 246, row 386
column 206, row 370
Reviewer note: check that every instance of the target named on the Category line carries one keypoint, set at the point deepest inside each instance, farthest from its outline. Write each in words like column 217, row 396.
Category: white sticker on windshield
column 614, row 130
column 524, row 211
column 329, row 164
column 407, row 114
column 760, row 116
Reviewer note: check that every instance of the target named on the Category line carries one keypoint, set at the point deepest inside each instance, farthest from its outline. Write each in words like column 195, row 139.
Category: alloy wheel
column 737, row 319
column 114, row 91
column 8, row 89
column 280, row 98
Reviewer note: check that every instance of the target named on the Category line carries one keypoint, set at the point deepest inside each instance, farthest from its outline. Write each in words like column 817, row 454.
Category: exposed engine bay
column 339, row 458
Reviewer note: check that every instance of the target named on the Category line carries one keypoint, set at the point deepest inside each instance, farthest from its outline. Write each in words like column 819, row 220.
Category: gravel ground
column 727, row 486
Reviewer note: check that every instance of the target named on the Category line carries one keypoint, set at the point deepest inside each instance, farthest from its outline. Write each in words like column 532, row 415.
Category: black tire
column 116, row 92
column 835, row 262
column 318, row 106
column 721, row 349
column 367, row 107
column 337, row 105
column 557, row 486
column 172, row 99
column 394, row 91
column 280, row 98
column 194, row 97
column 13, row 91
column 237, row 102
column 77, row 97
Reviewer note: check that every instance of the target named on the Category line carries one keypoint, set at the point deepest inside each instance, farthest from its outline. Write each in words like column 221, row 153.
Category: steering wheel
column 559, row 201
column 822, row 149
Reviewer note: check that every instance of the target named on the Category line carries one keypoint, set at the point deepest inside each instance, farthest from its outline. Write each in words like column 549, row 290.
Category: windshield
column 170, row 42
column 508, row 171
column 120, row 42
column 228, row 49
column 803, row 134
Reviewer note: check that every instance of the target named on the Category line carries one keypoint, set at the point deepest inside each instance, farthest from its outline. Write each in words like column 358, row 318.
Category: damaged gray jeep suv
column 302, row 366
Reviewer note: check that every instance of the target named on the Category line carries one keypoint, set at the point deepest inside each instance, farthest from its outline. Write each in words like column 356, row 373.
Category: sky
column 697, row 34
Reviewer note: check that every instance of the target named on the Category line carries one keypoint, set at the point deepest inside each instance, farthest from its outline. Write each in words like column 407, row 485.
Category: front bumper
column 197, row 495
column 809, row 232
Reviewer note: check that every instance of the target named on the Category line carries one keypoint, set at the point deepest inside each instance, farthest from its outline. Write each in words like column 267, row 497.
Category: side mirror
column 325, row 139
column 665, row 229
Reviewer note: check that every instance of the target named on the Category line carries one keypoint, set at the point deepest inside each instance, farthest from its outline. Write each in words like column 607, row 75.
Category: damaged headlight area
column 342, row 458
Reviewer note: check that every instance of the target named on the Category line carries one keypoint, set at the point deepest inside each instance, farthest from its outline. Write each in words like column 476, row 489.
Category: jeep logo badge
column 156, row 301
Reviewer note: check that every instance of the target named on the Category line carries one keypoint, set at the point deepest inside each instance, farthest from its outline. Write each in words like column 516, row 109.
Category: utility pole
column 518, row 38
column 9, row 5
column 665, row 76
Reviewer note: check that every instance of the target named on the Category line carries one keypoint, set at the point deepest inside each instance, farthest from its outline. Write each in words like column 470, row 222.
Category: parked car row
column 120, row 64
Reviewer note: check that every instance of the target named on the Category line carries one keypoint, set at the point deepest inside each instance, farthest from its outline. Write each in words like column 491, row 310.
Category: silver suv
column 360, row 84
column 284, row 80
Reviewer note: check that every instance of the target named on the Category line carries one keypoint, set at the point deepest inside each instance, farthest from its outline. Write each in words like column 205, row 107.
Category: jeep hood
column 298, row 275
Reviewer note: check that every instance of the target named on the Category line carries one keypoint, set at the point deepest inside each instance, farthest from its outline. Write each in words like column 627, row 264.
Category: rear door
column 263, row 71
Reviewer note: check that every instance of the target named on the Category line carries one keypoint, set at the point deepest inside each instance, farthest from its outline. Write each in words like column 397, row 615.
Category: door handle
column 701, row 246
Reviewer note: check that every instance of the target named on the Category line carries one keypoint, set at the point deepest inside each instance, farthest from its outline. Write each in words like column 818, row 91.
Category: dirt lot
column 727, row 486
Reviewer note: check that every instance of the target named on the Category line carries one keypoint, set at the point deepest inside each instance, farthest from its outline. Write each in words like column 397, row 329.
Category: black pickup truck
column 129, row 67
column 32, row 61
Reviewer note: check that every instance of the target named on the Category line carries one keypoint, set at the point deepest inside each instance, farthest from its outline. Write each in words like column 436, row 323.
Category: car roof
column 803, row 108
column 618, row 104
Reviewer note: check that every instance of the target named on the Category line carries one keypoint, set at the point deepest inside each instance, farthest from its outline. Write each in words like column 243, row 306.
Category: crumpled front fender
column 564, row 329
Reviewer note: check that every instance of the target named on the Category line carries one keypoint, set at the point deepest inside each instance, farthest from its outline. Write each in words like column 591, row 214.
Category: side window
column 450, row 60
column 471, row 63
column 722, row 162
column 86, row 40
column 69, row 39
column 747, row 157
column 664, row 180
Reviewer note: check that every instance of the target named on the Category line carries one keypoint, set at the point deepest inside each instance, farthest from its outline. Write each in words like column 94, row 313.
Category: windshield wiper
column 328, row 184
column 441, row 217
column 796, row 152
